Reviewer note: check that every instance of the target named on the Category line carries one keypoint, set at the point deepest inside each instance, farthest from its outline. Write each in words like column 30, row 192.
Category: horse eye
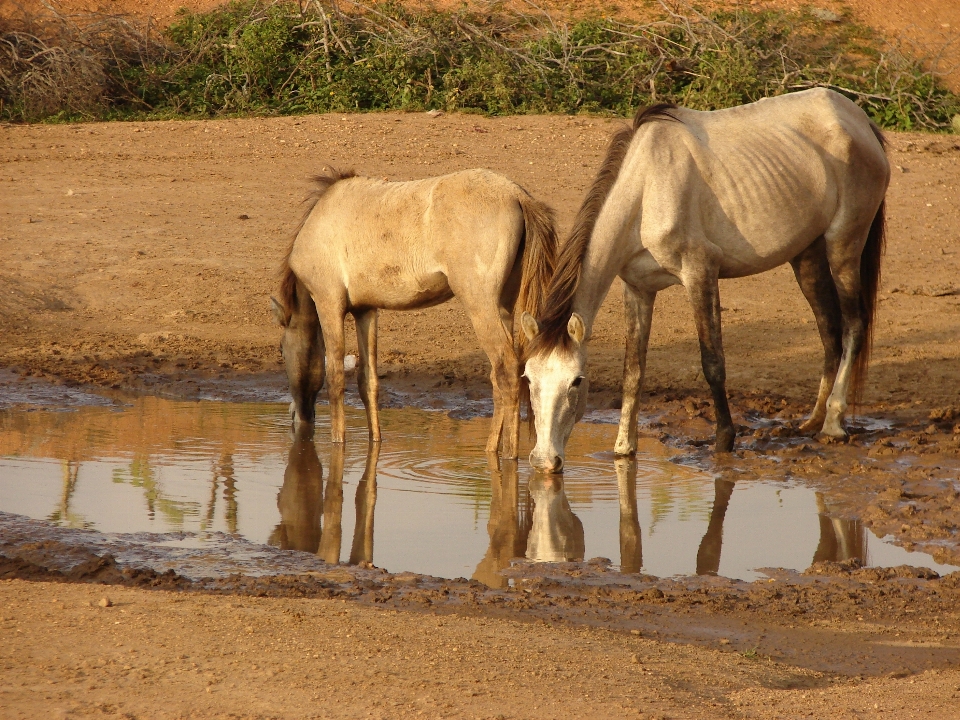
column 577, row 381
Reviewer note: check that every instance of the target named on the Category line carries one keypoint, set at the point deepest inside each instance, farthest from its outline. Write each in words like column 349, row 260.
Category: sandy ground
column 141, row 257
column 159, row 654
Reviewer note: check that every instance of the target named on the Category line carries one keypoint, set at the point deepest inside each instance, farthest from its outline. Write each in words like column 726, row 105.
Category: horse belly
column 391, row 288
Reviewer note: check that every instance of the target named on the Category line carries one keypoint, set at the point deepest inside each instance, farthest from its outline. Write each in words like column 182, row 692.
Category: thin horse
column 687, row 197
column 366, row 244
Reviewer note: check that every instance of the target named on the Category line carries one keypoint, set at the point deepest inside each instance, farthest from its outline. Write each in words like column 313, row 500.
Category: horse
column 366, row 244
column 688, row 197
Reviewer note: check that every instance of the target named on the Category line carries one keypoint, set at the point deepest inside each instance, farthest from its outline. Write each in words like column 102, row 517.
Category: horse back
column 760, row 181
column 401, row 245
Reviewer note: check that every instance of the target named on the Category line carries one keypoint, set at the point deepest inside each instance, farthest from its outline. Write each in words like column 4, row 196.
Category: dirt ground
column 159, row 654
column 141, row 257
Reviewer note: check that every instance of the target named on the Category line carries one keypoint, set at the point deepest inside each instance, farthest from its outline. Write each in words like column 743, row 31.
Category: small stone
column 826, row 15
column 244, row 216
column 635, row 632
column 931, row 430
column 635, row 659
column 105, row 602
column 724, row 641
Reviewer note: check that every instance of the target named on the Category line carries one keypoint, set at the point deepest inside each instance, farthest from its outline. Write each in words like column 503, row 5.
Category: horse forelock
column 558, row 305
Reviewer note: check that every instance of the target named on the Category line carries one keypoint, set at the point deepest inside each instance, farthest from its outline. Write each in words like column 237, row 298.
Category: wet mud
column 835, row 617
column 905, row 619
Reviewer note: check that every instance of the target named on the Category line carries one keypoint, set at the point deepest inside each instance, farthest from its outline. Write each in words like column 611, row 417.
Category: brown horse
column 687, row 197
column 366, row 244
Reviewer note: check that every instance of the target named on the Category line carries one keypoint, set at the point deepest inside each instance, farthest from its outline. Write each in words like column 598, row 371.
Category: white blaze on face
column 558, row 395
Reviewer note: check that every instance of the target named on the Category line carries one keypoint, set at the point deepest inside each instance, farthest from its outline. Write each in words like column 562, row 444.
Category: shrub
column 281, row 57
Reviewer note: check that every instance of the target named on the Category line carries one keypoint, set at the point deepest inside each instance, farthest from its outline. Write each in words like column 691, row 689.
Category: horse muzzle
column 550, row 462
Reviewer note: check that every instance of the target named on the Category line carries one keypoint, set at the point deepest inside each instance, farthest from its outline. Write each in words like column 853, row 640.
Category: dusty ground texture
column 300, row 649
column 141, row 257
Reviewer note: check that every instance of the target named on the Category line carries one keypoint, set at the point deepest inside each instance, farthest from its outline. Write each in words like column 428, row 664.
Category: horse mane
column 558, row 305
column 288, row 280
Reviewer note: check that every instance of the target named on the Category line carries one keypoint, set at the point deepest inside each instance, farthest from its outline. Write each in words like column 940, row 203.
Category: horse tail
column 539, row 249
column 869, row 287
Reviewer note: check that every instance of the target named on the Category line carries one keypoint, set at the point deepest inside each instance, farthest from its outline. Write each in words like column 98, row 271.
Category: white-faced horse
column 366, row 244
column 691, row 197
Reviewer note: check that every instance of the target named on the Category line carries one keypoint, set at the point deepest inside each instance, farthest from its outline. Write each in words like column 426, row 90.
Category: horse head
column 558, row 389
column 302, row 349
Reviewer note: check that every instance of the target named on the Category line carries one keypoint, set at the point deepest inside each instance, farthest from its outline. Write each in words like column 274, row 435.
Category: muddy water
column 427, row 500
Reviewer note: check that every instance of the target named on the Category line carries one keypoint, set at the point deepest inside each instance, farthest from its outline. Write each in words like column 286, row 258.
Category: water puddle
column 215, row 484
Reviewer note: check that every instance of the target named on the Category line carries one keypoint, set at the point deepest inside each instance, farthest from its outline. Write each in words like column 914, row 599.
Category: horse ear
column 529, row 324
column 276, row 309
column 576, row 328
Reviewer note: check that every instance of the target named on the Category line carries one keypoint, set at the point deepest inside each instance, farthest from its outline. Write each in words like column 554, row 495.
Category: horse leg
column 367, row 369
column 846, row 275
column 638, row 312
column 497, row 342
column 704, row 293
column 813, row 275
column 332, row 322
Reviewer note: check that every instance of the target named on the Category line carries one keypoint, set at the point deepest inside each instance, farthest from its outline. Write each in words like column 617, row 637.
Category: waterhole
column 426, row 500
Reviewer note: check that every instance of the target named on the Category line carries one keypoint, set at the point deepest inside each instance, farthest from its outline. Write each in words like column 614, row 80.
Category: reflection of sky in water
column 198, row 467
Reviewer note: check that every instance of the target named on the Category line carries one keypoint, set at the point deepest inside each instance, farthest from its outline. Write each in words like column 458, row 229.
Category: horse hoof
column 833, row 430
column 725, row 440
column 810, row 427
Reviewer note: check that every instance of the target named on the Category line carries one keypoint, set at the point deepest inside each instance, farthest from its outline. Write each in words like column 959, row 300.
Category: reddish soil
column 142, row 255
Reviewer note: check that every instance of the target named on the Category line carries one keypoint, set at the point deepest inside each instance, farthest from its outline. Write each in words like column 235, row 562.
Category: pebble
column 105, row 602
column 635, row 659
column 635, row 632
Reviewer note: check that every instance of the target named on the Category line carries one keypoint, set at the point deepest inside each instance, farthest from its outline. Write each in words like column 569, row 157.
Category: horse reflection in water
column 556, row 534
column 311, row 515
column 542, row 526
column 631, row 548
column 508, row 526
column 840, row 539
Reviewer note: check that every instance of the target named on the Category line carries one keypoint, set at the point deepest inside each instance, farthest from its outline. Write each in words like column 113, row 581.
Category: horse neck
column 601, row 265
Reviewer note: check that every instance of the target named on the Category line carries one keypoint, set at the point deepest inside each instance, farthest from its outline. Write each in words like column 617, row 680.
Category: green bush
column 282, row 57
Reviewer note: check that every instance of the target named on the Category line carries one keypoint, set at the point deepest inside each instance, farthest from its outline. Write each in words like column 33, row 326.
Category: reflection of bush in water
column 678, row 490
column 151, row 426
column 142, row 475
